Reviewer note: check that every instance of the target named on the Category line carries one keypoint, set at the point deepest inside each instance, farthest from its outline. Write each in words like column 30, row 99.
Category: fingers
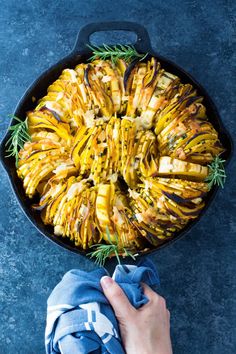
column 121, row 305
column 153, row 296
column 117, row 298
column 148, row 291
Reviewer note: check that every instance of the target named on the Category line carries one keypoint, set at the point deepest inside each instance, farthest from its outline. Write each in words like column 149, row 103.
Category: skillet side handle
column 142, row 45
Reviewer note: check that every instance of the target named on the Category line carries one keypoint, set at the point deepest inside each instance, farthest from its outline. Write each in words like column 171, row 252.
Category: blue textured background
column 198, row 272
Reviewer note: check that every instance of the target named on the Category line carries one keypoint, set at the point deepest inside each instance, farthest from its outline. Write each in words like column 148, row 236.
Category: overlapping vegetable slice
column 163, row 206
column 118, row 150
column 37, row 162
column 84, row 212
column 114, row 214
column 169, row 166
column 183, row 130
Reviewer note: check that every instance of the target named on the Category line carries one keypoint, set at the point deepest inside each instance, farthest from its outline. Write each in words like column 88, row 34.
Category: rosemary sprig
column 217, row 175
column 103, row 252
column 126, row 52
column 19, row 136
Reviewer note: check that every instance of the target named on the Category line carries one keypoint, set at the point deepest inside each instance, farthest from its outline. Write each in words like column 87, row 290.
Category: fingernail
column 106, row 282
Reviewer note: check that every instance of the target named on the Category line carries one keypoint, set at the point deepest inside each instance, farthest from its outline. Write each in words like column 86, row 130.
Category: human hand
column 143, row 331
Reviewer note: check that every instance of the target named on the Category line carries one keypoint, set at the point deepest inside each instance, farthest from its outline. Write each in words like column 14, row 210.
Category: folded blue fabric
column 79, row 317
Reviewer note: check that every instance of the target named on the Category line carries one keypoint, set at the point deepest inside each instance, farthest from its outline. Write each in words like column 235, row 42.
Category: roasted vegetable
column 118, row 155
column 163, row 206
column 169, row 167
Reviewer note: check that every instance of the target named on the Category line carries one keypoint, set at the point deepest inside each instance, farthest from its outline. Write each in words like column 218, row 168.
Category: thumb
column 117, row 298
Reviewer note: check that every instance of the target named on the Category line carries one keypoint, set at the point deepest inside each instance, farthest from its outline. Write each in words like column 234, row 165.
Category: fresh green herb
column 217, row 175
column 126, row 52
column 103, row 252
column 19, row 136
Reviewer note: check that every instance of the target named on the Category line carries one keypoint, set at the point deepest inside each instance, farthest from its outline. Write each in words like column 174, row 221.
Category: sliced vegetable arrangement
column 119, row 156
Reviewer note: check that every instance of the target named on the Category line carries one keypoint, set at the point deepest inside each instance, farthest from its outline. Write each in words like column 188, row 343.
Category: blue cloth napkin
column 80, row 318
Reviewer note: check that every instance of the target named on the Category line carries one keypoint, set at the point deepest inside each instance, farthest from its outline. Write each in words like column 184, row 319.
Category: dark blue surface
column 198, row 272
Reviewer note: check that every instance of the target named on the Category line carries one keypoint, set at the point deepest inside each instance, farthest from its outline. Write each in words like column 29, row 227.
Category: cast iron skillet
column 80, row 54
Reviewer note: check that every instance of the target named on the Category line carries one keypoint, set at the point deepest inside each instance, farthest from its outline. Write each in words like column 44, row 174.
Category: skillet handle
column 142, row 45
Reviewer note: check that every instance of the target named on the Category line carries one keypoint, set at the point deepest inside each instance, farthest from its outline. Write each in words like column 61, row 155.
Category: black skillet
column 80, row 54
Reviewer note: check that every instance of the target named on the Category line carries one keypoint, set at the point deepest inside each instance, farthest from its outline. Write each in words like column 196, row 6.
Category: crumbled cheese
column 113, row 178
column 135, row 101
column 75, row 189
column 172, row 218
column 117, row 217
column 78, row 112
column 59, row 230
column 83, row 210
column 196, row 200
column 139, row 122
column 99, row 64
column 51, row 105
column 143, row 121
column 133, row 194
column 139, row 217
column 83, row 93
column 72, row 74
column 148, row 185
column 106, row 78
column 105, row 119
column 115, row 134
column 103, row 145
column 89, row 119
column 131, row 119
column 160, row 202
column 94, row 77
column 80, row 71
column 99, row 74
column 73, row 123
column 56, row 190
column 102, row 136
column 181, row 154
column 59, row 96
column 119, row 203
column 60, row 168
